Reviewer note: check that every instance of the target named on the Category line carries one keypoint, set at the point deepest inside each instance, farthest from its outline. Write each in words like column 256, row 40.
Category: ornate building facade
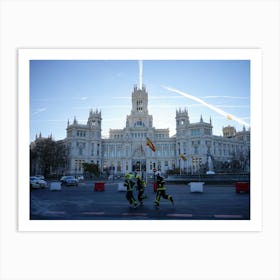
column 125, row 150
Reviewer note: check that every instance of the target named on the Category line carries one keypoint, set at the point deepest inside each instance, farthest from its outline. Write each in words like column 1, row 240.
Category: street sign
column 154, row 170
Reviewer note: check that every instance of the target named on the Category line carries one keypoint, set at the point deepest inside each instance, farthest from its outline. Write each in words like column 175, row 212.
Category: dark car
column 69, row 181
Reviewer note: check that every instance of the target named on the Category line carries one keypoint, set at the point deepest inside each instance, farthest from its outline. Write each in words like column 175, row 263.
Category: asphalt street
column 83, row 203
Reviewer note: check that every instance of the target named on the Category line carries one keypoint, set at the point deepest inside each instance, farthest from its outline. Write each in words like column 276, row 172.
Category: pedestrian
column 161, row 191
column 128, row 183
column 140, row 184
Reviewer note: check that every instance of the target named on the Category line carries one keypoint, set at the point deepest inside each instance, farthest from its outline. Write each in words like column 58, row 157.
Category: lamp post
column 180, row 166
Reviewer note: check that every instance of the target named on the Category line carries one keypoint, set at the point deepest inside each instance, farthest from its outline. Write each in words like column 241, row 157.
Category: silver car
column 36, row 183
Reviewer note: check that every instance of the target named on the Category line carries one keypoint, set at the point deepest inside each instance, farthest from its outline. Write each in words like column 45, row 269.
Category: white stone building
column 125, row 150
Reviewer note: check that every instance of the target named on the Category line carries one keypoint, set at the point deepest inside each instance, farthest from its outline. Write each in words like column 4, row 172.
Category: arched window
column 139, row 105
column 139, row 124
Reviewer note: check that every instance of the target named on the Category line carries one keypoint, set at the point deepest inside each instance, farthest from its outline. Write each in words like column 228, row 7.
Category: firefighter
column 128, row 183
column 161, row 191
column 140, row 184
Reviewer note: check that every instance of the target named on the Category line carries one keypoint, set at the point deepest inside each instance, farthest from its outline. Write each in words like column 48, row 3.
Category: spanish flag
column 150, row 144
column 183, row 157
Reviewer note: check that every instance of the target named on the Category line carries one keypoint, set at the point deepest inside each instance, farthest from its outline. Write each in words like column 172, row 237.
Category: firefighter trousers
column 162, row 193
column 141, row 195
column 129, row 196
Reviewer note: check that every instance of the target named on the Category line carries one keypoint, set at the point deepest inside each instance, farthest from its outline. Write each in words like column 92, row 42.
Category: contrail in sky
column 140, row 73
column 214, row 108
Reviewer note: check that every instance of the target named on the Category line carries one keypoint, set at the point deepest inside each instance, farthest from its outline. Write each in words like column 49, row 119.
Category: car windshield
column 69, row 177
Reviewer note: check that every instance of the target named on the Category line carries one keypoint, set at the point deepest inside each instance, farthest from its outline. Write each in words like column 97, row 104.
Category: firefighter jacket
column 129, row 185
column 140, row 185
column 161, row 185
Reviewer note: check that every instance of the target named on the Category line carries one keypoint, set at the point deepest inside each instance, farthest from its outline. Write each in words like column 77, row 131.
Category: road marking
column 134, row 214
column 93, row 213
column 180, row 215
column 56, row 212
column 228, row 216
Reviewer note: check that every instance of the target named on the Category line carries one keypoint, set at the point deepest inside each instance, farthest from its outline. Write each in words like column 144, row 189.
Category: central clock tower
column 139, row 116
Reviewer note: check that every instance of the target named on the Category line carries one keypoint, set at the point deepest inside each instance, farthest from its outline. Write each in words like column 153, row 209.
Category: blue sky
column 63, row 89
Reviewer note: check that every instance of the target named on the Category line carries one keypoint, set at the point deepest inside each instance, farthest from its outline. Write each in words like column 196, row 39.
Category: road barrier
column 99, row 186
column 242, row 187
column 121, row 187
column 55, row 186
column 196, row 186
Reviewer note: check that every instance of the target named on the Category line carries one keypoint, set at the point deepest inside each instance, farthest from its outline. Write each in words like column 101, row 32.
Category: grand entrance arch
column 139, row 165
column 139, row 160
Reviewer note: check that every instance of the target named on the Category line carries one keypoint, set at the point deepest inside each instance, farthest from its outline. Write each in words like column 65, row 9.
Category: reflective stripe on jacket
column 129, row 185
column 161, row 186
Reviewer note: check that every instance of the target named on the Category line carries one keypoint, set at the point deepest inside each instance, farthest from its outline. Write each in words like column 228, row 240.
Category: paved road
column 83, row 203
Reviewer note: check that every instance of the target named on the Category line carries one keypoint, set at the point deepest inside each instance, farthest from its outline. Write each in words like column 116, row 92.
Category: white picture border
column 255, row 222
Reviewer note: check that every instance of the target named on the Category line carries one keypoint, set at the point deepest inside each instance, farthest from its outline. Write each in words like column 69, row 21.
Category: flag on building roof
column 183, row 157
column 150, row 144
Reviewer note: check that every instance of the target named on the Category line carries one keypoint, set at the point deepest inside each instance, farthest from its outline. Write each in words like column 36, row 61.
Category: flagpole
column 153, row 148
column 145, row 159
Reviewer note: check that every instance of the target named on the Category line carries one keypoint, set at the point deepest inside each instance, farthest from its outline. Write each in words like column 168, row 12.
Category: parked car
column 40, row 177
column 36, row 183
column 62, row 179
column 69, row 181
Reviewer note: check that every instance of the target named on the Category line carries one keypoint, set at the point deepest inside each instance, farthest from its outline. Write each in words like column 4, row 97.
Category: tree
column 91, row 168
column 48, row 156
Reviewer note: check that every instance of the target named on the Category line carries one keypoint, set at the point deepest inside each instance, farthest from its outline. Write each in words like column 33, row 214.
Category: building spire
column 140, row 73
